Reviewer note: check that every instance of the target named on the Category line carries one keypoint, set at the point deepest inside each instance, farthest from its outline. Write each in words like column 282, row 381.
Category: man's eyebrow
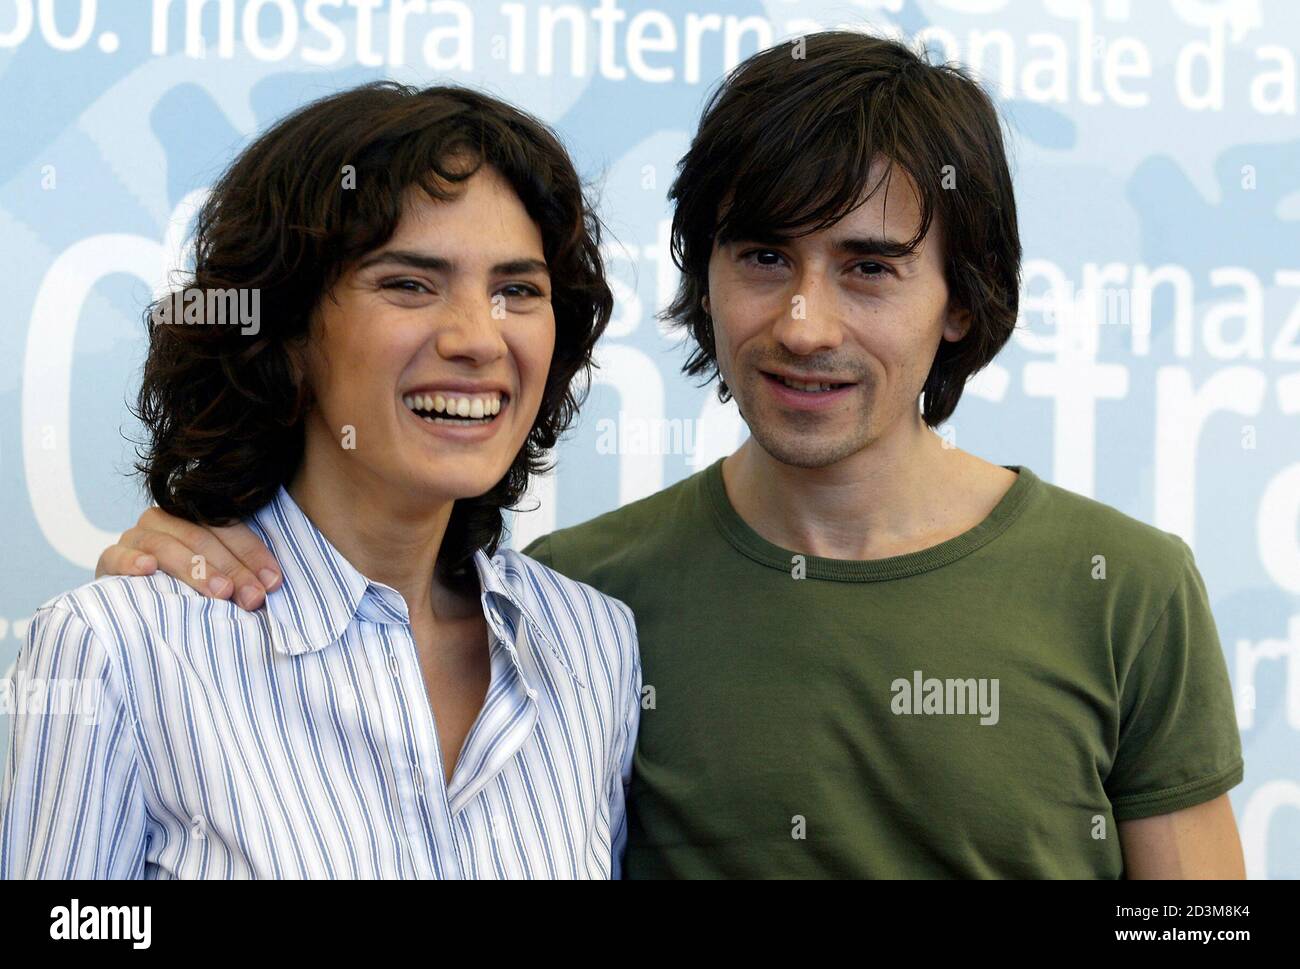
column 432, row 263
column 850, row 245
column 760, row 238
column 875, row 246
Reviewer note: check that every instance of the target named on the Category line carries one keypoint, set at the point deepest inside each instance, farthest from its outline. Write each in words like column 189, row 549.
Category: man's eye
column 765, row 258
column 873, row 270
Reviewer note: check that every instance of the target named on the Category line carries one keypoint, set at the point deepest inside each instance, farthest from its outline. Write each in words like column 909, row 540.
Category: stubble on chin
column 805, row 440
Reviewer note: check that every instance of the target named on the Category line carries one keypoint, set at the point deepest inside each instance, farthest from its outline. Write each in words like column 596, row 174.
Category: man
column 867, row 654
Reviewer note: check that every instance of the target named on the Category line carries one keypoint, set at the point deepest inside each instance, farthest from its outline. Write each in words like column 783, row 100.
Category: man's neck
column 902, row 493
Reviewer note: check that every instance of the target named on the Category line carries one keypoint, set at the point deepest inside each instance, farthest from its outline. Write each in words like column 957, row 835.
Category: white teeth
column 801, row 385
column 472, row 407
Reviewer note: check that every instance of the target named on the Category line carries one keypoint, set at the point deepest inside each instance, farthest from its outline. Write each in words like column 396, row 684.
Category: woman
column 411, row 702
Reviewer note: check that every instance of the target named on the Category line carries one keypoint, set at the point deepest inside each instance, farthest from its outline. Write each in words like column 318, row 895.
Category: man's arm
column 235, row 562
column 1179, row 748
column 1197, row 842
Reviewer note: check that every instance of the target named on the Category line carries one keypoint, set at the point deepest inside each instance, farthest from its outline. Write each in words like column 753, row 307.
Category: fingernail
column 145, row 563
column 220, row 586
column 268, row 578
column 249, row 598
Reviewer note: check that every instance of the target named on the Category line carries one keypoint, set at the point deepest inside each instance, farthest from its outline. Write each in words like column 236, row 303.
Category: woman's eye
column 406, row 286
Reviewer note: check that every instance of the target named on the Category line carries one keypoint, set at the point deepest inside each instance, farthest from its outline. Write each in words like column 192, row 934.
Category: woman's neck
column 387, row 535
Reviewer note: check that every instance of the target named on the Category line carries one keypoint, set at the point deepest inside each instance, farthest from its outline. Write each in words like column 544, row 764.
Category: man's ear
column 957, row 325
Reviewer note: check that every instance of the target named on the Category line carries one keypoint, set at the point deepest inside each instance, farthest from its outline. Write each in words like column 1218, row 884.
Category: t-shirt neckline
column 752, row 545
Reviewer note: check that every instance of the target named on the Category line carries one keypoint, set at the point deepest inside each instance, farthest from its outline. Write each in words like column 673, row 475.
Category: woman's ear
column 957, row 325
column 295, row 352
column 705, row 303
column 298, row 353
column 294, row 360
column 304, row 350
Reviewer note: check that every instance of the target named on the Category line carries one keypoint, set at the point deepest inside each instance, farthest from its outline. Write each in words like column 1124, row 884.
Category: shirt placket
column 425, row 810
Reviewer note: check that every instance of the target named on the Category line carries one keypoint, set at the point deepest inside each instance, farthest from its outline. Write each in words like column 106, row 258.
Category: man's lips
column 801, row 398
column 807, row 379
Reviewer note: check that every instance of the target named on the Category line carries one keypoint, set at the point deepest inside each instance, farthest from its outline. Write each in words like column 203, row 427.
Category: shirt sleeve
column 70, row 804
column 621, row 767
column 1178, row 741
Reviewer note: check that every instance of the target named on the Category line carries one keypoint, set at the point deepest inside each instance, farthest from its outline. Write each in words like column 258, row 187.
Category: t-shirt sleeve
column 1178, row 739
column 539, row 549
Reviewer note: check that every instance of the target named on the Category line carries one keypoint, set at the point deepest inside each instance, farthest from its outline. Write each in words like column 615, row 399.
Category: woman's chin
column 454, row 484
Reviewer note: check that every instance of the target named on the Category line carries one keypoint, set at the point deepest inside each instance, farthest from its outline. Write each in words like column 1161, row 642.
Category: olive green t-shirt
column 989, row 707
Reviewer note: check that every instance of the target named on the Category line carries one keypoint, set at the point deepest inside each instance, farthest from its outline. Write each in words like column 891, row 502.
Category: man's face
column 830, row 309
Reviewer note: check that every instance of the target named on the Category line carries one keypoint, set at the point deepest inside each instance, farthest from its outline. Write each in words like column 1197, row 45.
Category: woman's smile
column 458, row 415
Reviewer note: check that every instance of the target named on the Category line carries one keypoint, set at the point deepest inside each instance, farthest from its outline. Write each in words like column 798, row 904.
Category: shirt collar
column 322, row 593
column 501, row 599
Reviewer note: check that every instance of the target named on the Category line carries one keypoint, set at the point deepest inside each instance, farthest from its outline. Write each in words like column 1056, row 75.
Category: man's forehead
column 888, row 207
column 867, row 229
column 892, row 207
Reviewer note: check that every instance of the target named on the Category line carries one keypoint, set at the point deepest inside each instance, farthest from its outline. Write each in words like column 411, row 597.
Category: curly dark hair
column 223, row 409
column 788, row 140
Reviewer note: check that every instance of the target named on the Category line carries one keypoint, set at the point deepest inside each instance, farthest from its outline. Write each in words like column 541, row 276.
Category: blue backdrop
column 1157, row 162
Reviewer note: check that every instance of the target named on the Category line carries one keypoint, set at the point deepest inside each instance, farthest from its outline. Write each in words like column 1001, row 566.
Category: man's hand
column 1197, row 842
column 232, row 560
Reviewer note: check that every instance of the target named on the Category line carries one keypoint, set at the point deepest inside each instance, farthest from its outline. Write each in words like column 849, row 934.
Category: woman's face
column 429, row 357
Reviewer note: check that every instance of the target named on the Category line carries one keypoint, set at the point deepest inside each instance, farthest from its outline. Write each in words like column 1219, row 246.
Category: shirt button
column 419, row 786
column 392, row 664
column 532, row 694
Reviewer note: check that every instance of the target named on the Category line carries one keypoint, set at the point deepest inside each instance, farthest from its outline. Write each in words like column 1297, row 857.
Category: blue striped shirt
column 298, row 741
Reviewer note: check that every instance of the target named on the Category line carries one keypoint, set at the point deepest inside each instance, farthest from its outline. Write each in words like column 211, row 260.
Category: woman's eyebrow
column 518, row 267
column 432, row 263
column 406, row 257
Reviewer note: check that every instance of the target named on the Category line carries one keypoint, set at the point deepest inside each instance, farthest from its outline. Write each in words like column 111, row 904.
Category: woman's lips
column 460, row 429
